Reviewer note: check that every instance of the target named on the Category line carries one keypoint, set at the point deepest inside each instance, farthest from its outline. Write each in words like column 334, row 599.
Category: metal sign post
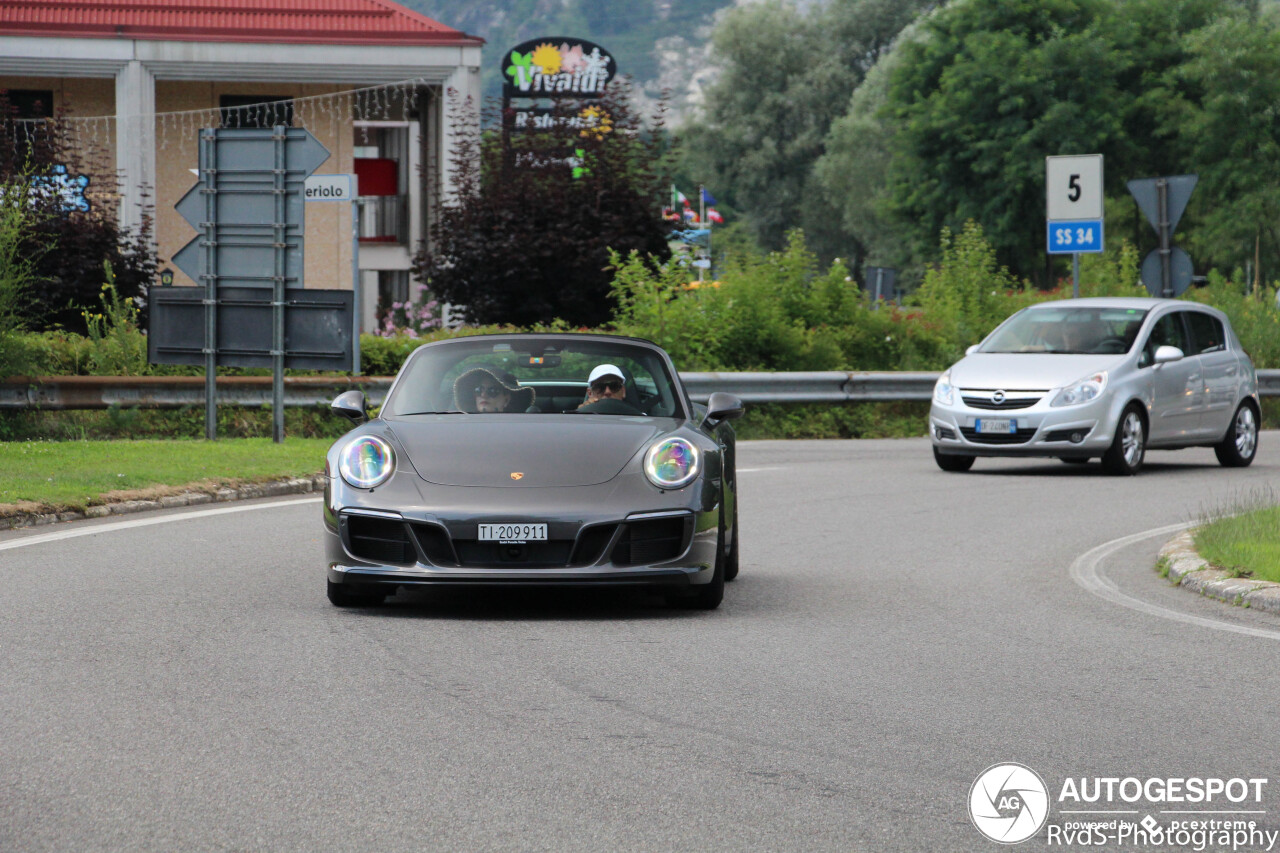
column 249, row 211
column 339, row 188
column 1073, row 204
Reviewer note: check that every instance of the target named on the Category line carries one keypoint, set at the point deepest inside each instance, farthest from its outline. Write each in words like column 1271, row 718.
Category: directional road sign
column 234, row 206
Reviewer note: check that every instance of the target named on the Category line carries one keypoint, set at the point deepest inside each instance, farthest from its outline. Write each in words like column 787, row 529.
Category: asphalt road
column 178, row 681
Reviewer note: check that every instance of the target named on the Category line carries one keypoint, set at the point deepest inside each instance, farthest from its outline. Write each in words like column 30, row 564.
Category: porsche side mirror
column 723, row 407
column 1166, row 354
column 971, row 350
column 350, row 404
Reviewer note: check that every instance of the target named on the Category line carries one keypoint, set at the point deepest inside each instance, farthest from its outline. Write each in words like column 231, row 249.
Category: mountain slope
column 661, row 44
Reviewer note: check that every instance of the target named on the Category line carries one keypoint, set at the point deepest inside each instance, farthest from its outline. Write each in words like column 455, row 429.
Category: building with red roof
column 372, row 80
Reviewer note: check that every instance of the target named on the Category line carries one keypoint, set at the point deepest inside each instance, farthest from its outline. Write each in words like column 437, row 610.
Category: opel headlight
column 367, row 462
column 672, row 463
column 943, row 392
column 1083, row 391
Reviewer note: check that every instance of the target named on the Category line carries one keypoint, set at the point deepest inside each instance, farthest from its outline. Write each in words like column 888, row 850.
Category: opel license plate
column 513, row 534
column 999, row 425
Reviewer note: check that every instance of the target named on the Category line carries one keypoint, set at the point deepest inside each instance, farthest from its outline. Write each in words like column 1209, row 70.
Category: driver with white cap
column 607, row 392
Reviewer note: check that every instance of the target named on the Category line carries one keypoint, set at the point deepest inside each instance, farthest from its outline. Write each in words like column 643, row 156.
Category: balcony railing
column 384, row 219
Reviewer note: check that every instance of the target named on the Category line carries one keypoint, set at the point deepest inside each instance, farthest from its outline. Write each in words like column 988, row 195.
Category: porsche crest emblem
column 516, row 475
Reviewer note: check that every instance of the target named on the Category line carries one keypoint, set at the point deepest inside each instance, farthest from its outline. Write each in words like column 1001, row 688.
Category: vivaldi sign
column 556, row 67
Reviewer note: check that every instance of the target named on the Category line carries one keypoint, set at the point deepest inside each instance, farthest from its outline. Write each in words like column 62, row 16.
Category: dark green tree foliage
column 992, row 87
column 68, row 249
column 1228, row 89
column 525, row 241
column 785, row 76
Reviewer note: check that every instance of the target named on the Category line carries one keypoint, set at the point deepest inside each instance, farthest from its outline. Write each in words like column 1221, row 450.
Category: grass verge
column 56, row 476
column 1243, row 537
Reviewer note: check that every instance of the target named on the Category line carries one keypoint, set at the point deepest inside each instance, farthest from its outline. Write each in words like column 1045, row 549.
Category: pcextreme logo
column 1008, row 803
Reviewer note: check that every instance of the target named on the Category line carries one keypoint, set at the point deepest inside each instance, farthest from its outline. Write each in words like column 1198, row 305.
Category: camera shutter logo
column 1008, row 803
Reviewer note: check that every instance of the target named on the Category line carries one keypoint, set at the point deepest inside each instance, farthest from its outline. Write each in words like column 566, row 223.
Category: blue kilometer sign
column 1083, row 235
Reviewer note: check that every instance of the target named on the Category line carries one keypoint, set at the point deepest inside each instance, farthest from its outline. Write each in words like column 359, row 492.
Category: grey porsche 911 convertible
column 534, row 460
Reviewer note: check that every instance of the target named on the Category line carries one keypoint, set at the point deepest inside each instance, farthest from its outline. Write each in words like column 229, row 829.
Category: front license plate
column 515, row 534
column 1002, row 425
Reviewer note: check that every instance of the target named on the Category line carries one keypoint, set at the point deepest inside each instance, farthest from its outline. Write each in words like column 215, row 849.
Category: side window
column 1206, row 333
column 1167, row 332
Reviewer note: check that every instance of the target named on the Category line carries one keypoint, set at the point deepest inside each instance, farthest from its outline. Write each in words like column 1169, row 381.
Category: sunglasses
column 614, row 385
column 489, row 391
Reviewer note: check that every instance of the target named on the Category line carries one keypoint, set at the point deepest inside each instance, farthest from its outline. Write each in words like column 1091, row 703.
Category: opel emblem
column 997, row 397
column 516, row 475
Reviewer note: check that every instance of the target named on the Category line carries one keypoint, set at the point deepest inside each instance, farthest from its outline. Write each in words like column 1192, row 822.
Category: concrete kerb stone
column 292, row 486
column 1191, row 571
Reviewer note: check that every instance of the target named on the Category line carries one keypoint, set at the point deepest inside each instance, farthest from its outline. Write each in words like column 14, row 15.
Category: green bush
column 773, row 312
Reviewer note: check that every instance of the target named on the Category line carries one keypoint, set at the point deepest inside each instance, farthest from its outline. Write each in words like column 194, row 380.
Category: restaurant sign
column 556, row 67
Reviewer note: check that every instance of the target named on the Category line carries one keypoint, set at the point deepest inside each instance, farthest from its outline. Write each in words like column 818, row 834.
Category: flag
column 691, row 215
column 714, row 216
column 707, row 198
column 678, row 198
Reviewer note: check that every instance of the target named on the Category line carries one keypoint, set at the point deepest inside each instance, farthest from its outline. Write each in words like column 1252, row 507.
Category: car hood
column 545, row 450
column 1026, row 371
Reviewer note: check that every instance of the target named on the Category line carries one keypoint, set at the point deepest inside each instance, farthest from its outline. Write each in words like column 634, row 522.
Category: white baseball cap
column 606, row 370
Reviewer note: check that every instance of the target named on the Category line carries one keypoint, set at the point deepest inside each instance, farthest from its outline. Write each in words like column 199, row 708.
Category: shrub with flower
column 410, row 318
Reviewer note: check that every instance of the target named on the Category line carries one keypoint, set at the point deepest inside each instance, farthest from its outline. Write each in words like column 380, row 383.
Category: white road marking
column 754, row 470
column 1086, row 571
column 90, row 530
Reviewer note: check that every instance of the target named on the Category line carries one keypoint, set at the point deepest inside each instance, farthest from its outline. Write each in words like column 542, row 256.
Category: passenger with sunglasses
column 607, row 392
column 489, row 390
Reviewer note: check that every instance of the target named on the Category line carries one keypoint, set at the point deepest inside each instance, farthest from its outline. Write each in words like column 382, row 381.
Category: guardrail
column 174, row 392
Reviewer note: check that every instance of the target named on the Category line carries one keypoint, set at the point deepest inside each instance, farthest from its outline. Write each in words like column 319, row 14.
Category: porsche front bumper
column 587, row 542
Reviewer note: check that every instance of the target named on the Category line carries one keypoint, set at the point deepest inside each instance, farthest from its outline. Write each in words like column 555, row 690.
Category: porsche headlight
column 672, row 463
column 367, row 462
column 1083, row 391
column 942, row 391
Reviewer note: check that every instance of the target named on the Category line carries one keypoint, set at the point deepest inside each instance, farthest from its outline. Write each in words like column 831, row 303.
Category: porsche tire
column 346, row 595
column 731, row 560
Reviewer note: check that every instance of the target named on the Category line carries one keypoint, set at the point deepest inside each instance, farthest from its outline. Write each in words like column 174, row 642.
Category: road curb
column 292, row 486
column 1191, row 571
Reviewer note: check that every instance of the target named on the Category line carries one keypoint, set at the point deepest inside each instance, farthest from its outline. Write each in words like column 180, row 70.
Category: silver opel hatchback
column 1107, row 378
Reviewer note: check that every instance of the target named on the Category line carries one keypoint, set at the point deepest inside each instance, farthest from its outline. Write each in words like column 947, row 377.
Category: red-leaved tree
column 526, row 238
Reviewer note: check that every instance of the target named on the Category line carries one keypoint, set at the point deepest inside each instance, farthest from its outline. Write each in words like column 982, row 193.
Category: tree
column 527, row 238
column 785, row 75
column 67, row 246
column 994, row 86
column 852, row 173
column 1231, row 80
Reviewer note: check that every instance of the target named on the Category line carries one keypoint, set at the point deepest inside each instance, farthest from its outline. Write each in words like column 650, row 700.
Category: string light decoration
column 395, row 101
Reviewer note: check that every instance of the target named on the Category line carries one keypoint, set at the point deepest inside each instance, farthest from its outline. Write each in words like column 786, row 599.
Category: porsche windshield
column 536, row 376
column 1068, row 330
